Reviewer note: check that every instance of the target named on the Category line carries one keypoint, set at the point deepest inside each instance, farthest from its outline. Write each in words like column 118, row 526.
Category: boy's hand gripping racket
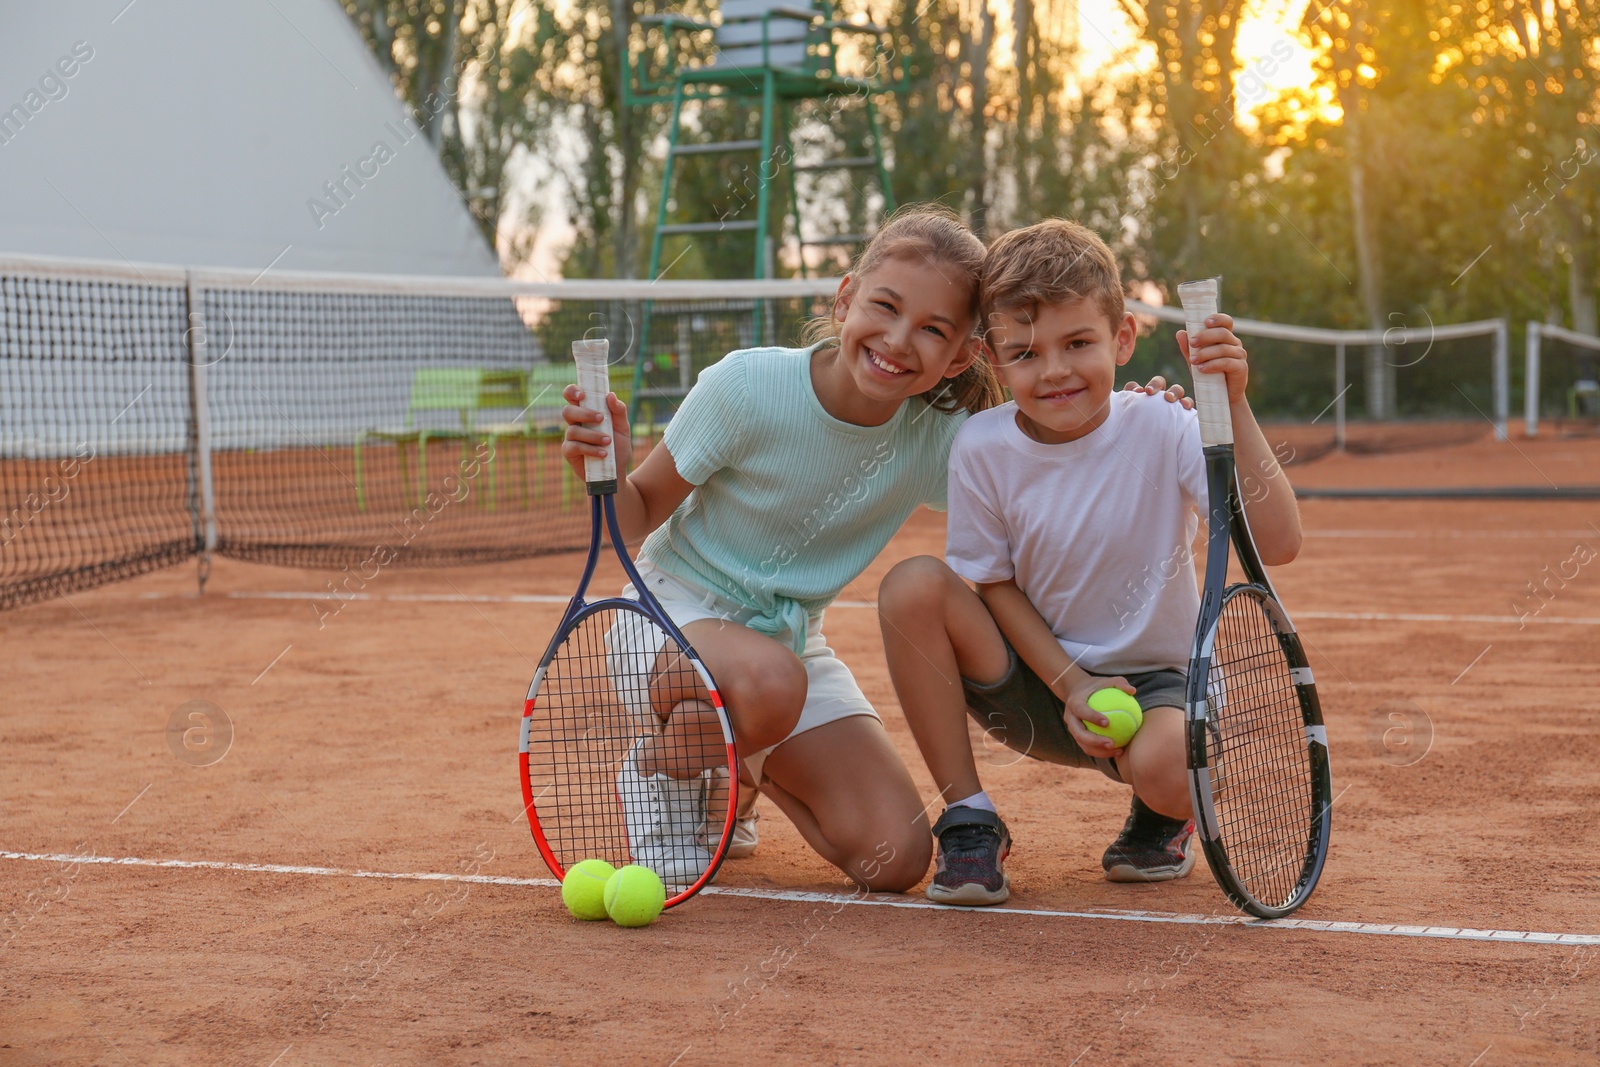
column 1258, row 752
column 627, row 754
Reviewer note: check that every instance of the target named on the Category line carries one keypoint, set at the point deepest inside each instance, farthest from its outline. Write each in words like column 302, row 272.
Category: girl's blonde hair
column 938, row 236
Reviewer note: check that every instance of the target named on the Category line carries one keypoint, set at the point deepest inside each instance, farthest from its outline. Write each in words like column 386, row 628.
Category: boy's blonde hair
column 1050, row 262
column 934, row 234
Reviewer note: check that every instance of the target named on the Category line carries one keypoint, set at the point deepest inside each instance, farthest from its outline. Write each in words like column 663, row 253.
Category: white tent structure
column 246, row 134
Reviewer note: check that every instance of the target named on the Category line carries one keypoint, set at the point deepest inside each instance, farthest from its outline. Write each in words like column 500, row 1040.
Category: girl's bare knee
column 1156, row 763
column 766, row 697
column 892, row 866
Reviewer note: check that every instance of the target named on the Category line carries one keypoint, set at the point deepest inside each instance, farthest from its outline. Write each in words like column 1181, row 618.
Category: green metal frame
column 654, row 76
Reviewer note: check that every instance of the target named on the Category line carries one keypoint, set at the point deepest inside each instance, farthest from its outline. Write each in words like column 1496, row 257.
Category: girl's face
column 905, row 328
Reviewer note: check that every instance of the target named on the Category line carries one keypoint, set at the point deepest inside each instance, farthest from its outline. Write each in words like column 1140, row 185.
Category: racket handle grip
column 594, row 378
column 1199, row 300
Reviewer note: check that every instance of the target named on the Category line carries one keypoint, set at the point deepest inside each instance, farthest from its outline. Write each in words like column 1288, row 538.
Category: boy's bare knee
column 913, row 587
column 1156, row 764
column 1167, row 794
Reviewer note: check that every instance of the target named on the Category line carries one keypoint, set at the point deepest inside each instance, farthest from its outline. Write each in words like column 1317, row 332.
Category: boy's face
column 1060, row 362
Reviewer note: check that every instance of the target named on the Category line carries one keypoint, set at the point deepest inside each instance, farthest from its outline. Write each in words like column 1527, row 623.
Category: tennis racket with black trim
column 604, row 775
column 1258, row 752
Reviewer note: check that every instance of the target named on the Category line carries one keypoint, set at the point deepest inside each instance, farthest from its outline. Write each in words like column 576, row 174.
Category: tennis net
column 1320, row 390
column 151, row 415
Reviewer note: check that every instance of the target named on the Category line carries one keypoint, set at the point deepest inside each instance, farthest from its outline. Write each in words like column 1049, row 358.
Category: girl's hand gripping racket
column 1258, row 752
column 627, row 754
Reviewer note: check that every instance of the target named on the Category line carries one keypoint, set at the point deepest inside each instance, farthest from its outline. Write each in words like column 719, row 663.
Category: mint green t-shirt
column 790, row 504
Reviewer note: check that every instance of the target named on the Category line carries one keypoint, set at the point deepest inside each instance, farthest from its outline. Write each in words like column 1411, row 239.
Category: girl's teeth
column 877, row 362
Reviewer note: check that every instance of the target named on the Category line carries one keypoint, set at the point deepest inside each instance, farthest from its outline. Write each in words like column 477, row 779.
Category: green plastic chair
column 539, row 425
column 524, row 391
column 432, row 389
column 533, row 393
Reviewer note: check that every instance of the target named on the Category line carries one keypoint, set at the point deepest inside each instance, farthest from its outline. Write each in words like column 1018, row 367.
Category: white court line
column 1433, row 535
column 423, row 598
column 1386, row 616
column 1322, row 926
column 536, row 598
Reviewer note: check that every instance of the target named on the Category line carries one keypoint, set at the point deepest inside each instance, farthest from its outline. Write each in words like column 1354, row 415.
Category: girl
column 783, row 475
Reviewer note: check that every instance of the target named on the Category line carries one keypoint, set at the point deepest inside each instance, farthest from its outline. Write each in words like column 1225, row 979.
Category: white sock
column 979, row 800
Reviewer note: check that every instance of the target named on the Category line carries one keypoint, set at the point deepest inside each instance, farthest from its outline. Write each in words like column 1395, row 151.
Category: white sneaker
column 663, row 817
column 745, row 836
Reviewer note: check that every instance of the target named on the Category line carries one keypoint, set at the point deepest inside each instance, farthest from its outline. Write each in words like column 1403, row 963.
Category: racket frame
column 604, row 517
column 1227, row 525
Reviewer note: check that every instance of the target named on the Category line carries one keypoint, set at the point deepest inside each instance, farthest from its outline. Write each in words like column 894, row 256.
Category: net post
column 1338, row 396
column 1502, row 380
column 764, row 307
column 1530, row 382
column 203, row 500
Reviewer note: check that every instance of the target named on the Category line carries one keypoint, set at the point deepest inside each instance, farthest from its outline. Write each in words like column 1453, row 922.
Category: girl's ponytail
column 974, row 390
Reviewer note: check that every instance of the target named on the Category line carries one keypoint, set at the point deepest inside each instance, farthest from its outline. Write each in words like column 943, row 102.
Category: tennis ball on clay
column 634, row 896
column 1124, row 712
column 583, row 890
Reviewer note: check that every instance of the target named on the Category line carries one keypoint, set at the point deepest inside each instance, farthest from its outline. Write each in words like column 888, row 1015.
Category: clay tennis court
column 354, row 881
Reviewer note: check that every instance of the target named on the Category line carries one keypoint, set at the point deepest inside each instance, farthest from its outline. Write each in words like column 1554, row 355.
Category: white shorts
column 831, row 690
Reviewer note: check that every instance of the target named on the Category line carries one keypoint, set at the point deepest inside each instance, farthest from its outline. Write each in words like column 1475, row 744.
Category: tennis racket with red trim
column 1258, row 751
column 627, row 754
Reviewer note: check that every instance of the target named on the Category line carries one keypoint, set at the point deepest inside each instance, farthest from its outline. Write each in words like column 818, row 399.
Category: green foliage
column 478, row 82
column 1466, row 124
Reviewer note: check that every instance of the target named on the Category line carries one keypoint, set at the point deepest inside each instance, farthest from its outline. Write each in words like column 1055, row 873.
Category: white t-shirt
column 1096, row 532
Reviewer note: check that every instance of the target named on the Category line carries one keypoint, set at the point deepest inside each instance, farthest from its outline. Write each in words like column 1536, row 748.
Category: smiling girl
column 783, row 475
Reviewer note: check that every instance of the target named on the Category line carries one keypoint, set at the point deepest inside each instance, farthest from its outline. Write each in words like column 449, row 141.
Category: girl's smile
column 884, row 364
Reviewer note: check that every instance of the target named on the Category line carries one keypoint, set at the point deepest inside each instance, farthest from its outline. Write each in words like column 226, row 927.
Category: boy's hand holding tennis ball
column 1102, row 715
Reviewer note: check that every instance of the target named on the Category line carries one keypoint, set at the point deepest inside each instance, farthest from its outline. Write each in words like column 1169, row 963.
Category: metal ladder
column 762, row 258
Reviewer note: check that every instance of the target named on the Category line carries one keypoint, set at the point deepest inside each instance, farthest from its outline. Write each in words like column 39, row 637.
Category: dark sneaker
column 1151, row 848
column 973, row 845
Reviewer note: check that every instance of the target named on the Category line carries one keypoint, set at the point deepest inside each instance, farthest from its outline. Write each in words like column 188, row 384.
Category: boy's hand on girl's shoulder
column 1157, row 386
column 1076, row 697
column 1216, row 350
column 587, row 436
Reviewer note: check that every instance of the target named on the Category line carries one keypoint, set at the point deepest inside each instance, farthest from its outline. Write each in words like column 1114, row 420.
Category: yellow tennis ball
column 1124, row 712
column 583, row 890
column 634, row 896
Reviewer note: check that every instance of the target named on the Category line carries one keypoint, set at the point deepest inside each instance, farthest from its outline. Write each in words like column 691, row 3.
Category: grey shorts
column 1023, row 714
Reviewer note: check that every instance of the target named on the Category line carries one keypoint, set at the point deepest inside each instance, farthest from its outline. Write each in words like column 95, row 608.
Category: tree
column 1544, row 89
column 472, row 76
column 1191, row 97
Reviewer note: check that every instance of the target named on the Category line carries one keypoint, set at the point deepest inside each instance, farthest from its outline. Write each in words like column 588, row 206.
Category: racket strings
column 1261, row 773
column 609, row 780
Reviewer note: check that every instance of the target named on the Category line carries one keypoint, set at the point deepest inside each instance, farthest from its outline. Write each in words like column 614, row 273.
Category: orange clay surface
column 1466, row 754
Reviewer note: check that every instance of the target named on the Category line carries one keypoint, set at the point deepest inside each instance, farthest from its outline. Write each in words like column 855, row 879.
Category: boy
column 1072, row 510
